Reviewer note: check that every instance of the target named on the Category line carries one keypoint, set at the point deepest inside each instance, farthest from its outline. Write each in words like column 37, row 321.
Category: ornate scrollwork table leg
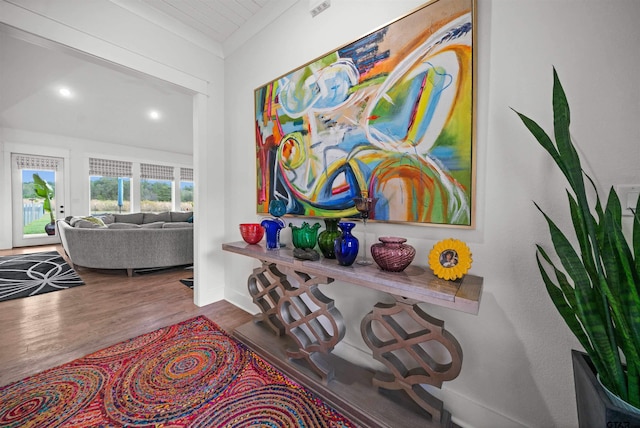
column 412, row 344
column 291, row 302
column 266, row 287
column 311, row 320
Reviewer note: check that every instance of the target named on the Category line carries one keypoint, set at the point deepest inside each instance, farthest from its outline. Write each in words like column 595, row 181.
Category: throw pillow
column 177, row 225
column 135, row 218
column 154, row 225
column 180, row 215
column 108, row 219
column 152, row 217
column 123, row 226
column 86, row 224
column 75, row 220
column 95, row 220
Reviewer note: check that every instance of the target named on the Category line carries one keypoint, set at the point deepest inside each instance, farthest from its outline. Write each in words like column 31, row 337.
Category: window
column 186, row 189
column 156, row 188
column 110, row 186
column 123, row 186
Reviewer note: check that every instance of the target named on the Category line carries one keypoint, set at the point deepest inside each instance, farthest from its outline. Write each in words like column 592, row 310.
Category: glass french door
column 29, row 215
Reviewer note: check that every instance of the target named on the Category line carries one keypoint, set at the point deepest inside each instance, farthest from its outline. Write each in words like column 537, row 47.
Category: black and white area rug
column 188, row 282
column 24, row 275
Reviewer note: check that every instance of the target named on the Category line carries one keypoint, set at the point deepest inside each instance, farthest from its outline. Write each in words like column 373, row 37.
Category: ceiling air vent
column 317, row 6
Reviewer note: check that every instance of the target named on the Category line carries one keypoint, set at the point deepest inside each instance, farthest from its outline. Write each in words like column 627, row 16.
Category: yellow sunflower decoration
column 450, row 259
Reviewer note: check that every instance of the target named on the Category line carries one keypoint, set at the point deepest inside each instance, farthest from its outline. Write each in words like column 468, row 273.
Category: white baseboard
column 241, row 300
column 470, row 414
column 465, row 412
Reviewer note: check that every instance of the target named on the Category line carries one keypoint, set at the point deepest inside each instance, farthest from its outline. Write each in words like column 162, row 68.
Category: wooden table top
column 415, row 282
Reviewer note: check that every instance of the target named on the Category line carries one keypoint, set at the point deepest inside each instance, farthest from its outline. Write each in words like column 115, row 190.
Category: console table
column 401, row 335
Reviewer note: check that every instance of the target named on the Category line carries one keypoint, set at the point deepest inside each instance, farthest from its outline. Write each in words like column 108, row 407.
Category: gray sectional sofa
column 128, row 241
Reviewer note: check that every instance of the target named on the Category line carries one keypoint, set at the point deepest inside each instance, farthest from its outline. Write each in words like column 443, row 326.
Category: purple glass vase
column 392, row 254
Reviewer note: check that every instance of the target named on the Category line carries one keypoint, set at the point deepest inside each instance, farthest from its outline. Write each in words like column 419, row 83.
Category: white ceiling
column 216, row 19
column 108, row 104
column 112, row 103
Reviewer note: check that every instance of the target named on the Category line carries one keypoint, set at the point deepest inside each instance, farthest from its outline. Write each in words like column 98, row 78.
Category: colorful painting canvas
column 389, row 116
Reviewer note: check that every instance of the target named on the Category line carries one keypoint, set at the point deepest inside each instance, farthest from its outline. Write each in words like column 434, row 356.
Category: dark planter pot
column 50, row 228
column 595, row 408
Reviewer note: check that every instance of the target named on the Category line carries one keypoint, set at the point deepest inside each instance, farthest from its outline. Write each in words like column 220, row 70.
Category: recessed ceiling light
column 154, row 114
column 65, row 92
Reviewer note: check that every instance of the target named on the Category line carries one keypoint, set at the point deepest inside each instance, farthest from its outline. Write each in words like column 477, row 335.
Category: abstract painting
column 388, row 116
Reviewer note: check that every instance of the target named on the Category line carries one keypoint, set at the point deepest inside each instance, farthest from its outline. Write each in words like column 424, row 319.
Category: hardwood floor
column 44, row 331
column 47, row 330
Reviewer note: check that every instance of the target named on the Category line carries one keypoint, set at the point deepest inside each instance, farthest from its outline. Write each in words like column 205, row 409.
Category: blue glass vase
column 346, row 246
column 272, row 230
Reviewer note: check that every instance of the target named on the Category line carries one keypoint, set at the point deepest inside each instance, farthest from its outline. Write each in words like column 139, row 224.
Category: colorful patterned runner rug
column 190, row 374
column 24, row 275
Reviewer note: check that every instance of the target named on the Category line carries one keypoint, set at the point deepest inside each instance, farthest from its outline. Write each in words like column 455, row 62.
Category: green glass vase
column 327, row 237
column 304, row 237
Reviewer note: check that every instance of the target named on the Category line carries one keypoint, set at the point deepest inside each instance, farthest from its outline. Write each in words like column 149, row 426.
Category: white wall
column 107, row 30
column 517, row 367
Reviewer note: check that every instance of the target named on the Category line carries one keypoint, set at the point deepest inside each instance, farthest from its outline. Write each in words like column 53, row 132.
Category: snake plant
column 594, row 284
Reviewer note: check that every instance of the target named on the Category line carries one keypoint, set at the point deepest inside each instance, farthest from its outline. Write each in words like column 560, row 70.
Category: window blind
column 156, row 172
column 37, row 162
column 186, row 174
column 110, row 168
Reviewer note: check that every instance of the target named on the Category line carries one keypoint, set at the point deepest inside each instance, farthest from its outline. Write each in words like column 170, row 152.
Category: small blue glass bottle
column 346, row 246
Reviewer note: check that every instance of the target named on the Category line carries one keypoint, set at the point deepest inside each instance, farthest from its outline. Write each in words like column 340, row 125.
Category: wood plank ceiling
column 216, row 19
